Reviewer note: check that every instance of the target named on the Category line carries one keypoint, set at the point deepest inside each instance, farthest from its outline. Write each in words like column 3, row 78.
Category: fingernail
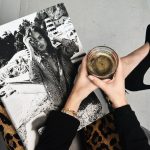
column 90, row 77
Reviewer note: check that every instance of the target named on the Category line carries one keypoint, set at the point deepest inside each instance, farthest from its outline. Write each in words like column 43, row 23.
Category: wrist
column 76, row 94
column 69, row 112
column 73, row 102
column 119, row 103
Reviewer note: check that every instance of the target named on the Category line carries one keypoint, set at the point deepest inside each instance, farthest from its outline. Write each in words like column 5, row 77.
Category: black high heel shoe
column 134, row 81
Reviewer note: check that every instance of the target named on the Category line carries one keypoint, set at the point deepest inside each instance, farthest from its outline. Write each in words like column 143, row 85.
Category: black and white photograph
column 39, row 58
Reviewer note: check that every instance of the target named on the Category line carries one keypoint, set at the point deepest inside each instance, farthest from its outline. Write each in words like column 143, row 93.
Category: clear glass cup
column 102, row 62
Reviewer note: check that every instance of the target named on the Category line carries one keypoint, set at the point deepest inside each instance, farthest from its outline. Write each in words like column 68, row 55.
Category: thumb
column 98, row 82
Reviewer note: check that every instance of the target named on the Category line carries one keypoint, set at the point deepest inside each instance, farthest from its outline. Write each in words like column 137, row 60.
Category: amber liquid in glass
column 102, row 65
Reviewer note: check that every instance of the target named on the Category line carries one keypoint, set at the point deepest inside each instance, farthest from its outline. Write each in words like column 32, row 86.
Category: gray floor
column 118, row 24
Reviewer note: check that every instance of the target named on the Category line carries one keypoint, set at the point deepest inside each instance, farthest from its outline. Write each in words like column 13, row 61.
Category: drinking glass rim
column 115, row 57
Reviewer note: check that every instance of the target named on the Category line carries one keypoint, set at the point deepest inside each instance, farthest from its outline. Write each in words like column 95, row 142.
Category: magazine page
column 39, row 58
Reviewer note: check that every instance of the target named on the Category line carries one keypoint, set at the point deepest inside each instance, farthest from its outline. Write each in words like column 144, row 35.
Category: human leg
column 136, row 64
column 133, row 59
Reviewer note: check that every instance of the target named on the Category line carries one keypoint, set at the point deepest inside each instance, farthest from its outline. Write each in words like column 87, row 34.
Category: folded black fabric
column 131, row 134
column 60, row 129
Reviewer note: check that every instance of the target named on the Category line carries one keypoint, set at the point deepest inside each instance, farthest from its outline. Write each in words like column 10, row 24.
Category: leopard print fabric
column 102, row 134
column 9, row 133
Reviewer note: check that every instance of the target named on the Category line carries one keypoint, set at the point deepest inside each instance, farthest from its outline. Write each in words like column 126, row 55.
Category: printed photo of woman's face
column 41, row 43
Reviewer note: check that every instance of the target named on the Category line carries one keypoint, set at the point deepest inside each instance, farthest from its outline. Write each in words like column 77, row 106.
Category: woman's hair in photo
column 50, row 48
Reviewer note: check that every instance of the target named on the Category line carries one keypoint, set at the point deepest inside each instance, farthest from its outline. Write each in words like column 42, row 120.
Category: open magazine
column 39, row 58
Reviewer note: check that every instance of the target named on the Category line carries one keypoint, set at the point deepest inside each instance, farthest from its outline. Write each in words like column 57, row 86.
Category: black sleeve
column 131, row 134
column 60, row 129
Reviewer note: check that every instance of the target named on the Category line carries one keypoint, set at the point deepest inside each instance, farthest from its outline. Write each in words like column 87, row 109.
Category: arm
column 27, row 39
column 131, row 135
column 61, row 128
column 33, row 65
column 59, row 132
column 128, row 127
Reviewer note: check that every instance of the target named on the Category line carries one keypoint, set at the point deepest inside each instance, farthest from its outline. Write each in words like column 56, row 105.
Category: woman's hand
column 29, row 42
column 115, row 88
column 82, row 87
column 27, row 37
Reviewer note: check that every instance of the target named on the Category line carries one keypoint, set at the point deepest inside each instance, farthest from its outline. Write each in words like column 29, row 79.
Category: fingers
column 119, row 72
column 98, row 82
column 27, row 32
column 84, row 61
column 107, row 80
column 79, row 68
column 119, row 69
column 83, row 66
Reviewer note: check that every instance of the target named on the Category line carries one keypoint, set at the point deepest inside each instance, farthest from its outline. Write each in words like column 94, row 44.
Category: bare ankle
column 147, row 46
